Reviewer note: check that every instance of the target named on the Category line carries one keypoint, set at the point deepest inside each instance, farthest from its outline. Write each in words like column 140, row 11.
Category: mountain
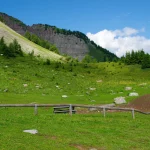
column 72, row 43
column 26, row 45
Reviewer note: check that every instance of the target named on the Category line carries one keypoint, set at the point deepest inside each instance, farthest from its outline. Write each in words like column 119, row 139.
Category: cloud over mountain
column 120, row 41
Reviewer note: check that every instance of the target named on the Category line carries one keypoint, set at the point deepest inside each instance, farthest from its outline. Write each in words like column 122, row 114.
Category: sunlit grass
column 116, row 131
column 47, row 83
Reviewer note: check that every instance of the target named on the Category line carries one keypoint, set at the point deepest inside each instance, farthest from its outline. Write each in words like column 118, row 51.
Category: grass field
column 81, row 131
column 27, row 80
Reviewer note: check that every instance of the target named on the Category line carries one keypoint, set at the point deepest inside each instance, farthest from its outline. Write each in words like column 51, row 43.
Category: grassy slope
column 26, row 45
column 47, row 83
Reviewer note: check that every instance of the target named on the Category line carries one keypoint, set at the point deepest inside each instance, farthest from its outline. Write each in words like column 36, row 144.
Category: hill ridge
column 72, row 43
column 27, row 46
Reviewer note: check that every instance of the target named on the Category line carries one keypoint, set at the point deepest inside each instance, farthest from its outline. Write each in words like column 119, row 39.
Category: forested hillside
column 137, row 57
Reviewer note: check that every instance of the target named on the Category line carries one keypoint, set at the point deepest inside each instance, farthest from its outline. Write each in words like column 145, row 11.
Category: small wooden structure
column 65, row 109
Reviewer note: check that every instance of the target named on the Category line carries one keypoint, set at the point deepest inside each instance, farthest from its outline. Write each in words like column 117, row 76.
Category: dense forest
column 137, row 57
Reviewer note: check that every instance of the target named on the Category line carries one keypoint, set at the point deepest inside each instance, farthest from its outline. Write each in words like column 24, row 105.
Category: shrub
column 31, row 54
column 74, row 74
column 47, row 62
column 56, row 65
column 70, row 69
column 88, row 71
column 85, row 66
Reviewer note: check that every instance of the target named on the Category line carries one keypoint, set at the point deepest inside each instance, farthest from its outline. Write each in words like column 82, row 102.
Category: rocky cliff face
column 67, row 44
column 14, row 23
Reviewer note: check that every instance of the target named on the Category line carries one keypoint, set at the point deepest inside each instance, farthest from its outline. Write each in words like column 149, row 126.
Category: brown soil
column 142, row 103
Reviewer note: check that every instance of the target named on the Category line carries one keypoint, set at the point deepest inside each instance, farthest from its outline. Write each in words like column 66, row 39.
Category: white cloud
column 120, row 41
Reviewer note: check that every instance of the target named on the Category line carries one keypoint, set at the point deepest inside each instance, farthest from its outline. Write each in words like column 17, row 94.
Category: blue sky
column 83, row 15
column 87, row 16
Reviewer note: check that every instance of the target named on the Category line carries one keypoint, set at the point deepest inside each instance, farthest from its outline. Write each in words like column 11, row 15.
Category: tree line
column 12, row 50
column 43, row 43
column 67, row 32
column 136, row 57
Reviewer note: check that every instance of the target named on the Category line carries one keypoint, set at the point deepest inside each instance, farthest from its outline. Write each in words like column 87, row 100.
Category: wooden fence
column 104, row 109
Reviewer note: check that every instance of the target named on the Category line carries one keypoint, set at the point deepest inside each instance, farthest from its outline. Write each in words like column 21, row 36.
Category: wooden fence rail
column 104, row 109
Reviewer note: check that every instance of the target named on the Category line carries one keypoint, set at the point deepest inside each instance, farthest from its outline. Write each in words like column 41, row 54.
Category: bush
column 47, row 62
column 71, row 69
column 88, row 71
column 56, row 65
column 74, row 74
column 31, row 54
column 85, row 66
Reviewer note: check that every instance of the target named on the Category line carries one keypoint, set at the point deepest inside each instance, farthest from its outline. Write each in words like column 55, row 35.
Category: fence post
column 70, row 109
column 104, row 111
column 133, row 116
column 35, row 109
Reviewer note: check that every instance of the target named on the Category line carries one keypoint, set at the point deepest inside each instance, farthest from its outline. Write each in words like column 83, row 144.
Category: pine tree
column 17, row 48
column 128, row 58
column 146, row 61
column 28, row 35
column 3, row 46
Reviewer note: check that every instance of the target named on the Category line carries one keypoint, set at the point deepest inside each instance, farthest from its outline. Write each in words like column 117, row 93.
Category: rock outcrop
column 67, row 44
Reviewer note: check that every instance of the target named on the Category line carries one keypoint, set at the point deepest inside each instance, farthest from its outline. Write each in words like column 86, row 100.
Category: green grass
column 116, row 131
column 47, row 83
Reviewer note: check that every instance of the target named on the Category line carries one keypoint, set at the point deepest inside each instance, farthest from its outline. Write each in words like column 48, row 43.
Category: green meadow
column 25, row 80
column 80, row 132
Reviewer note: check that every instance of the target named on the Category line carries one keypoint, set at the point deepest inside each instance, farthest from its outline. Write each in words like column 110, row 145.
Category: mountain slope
column 72, row 43
column 27, row 46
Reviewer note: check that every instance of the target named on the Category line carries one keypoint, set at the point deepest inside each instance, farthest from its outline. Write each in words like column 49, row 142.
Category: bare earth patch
column 141, row 103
